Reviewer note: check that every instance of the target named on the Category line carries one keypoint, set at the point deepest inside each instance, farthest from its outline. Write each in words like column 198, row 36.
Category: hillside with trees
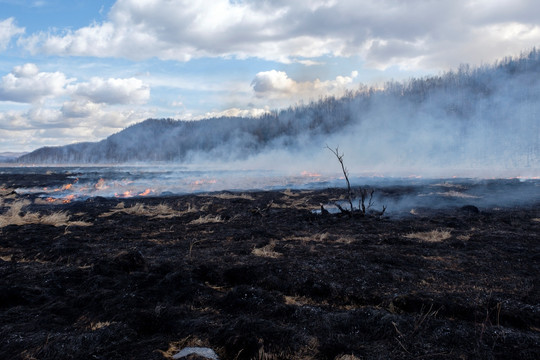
column 474, row 115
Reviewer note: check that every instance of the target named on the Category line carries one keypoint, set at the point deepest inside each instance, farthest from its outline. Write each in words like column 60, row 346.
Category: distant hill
column 487, row 114
column 10, row 156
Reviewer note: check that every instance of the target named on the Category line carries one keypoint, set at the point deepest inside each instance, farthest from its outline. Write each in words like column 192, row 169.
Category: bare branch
column 346, row 174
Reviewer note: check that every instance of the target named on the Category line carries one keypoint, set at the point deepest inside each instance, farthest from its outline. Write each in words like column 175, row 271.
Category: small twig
column 192, row 243
column 343, row 211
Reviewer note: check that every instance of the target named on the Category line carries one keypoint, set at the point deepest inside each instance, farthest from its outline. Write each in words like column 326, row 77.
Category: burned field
column 259, row 275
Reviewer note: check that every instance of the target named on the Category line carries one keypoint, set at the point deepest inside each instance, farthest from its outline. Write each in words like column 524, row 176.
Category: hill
column 482, row 115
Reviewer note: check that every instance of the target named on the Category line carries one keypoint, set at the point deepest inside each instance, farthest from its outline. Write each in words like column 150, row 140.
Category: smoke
column 400, row 196
column 474, row 122
column 481, row 122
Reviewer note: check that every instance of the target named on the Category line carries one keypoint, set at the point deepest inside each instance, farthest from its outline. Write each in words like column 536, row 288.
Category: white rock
column 201, row 351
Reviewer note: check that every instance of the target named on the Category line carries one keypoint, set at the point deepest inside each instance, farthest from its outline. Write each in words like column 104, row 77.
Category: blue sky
column 77, row 70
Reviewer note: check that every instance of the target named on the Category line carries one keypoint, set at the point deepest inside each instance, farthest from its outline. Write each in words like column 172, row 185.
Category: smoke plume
column 482, row 121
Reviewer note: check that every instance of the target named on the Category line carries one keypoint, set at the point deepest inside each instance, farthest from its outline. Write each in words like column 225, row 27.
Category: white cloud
column 113, row 91
column 411, row 34
column 79, row 109
column 277, row 84
column 26, row 84
column 274, row 82
column 53, row 107
column 8, row 30
column 74, row 122
column 12, row 121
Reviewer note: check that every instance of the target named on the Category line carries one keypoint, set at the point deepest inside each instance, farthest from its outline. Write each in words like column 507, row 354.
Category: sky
column 73, row 71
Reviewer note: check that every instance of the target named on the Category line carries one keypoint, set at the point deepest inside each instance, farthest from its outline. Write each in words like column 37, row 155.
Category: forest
column 464, row 117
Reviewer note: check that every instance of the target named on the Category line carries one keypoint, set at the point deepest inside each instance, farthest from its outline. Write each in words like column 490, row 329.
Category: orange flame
column 125, row 194
column 204, row 181
column 68, row 199
column 100, row 185
column 309, row 174
column 145, row 192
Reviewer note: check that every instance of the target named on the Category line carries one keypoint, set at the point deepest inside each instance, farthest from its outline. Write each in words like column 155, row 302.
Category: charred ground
column 146, row 277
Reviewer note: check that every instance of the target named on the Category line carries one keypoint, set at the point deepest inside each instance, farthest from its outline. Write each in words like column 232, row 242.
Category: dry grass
column 430, row 236
column 100, row 325
column 227, row 196
column 448, row 185
column 160, row 211
column 289, row 193
column 452, row 193
column 206, row 220
column 7, row 192
column 319, row 237
column 267, row 251
column 15, row 215
column 347, row 357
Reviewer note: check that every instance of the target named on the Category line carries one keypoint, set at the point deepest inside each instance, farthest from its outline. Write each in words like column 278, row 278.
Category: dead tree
column 365, row 194
column 346, row 174
column 362, row 202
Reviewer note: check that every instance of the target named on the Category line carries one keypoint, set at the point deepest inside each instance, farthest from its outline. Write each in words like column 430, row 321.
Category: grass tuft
column 16, row 215
column 227, row 196
column 206, row 220
column 267, row 251
column 161, row 211
column 430, row 236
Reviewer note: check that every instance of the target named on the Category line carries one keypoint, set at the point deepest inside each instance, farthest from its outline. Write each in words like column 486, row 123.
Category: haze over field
column 478, row 121
column 83, row 70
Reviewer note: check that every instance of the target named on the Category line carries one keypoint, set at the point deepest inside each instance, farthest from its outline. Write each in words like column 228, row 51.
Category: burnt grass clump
column 261, row 276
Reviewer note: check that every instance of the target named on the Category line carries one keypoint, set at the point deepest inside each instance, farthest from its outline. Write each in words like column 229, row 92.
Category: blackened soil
column 257, row 281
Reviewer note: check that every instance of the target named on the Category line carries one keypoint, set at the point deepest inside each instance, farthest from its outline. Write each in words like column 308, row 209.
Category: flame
column 68, row 199
column 63, row 188
column 100, row 185
column 125, row 194
column 203, row 182
column 309, row 174
column 146, row 192
column 50, row 199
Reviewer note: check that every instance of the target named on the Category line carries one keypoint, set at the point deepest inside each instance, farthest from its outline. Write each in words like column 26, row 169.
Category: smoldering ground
column 256, row 275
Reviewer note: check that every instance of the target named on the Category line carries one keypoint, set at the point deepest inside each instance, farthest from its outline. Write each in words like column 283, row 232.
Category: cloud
column 80, row 109
column 74, row 122
column 25, row 84
column 409, row 34
column 273, row 82
column 277, row 84
column 113, row 91
column 55, row 107
column 8, row 30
